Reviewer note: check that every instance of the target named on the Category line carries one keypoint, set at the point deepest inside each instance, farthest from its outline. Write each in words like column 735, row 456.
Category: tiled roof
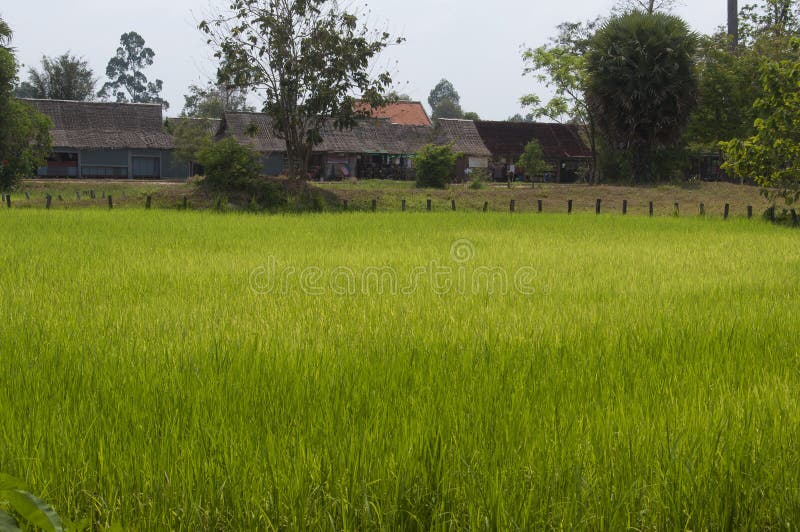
column 508, row 139
column 91, row 125
column 405, row 113
column 464, row 136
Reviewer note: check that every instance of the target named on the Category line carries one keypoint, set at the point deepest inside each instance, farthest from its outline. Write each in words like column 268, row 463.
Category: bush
column 435, row 166
column 532, row 160
column 229, row 165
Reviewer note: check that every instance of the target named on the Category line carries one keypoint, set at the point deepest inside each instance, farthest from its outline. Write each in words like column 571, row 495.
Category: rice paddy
column 404, row 371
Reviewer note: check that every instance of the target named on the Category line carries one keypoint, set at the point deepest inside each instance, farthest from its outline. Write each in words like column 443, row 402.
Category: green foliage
column 561, row 67
column 435, row 165
column 471, row 115
column 214, row 100
column 127, row 82
column 14, row 497
column 445, row 101
column 532, row 159
column 772, row 155
column 642, row 85
column 305, row 58
column 192, row 136
column 61, row 78
column 24, row 133
column 229, row 165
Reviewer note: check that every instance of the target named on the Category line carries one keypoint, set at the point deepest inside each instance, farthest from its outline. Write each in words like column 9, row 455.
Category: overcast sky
column 473, row 43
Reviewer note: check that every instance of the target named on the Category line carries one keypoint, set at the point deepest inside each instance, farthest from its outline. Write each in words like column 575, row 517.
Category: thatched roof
column 95, row 126
column 464, row 137
column 508, row 139
column 370, row 135
column 212, row 124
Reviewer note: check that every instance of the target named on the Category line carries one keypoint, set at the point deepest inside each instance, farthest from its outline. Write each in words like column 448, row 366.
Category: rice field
column 164, row 370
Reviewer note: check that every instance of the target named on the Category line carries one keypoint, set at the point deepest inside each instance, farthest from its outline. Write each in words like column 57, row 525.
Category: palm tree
column 642, row 85
column 5, row 33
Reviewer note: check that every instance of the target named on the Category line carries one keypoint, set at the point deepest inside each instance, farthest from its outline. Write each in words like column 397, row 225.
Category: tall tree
column 445, row 101
column 642, row 85
column 306, row 59
column 772, row 155
column 61, row 78
column 24, row 133
column 127, row 81
column 214, row 100
column 561, row 66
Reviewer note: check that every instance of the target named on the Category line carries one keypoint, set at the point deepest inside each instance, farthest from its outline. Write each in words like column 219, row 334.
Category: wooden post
column 48, row 201
column 771, row 213
column 27, row 196
column 651, row 208
column 569, row 206
column 539, row 205
column 60, row 198
column 512, row 206
column 677, row 209
column 374, row 205
column 794, row 218
column 185, row 203
column 8, row 200
column 103, row 194
column 453, row 204
column 123, row 195
column 91, row 194
column 148, row 201
column 428, row 206
column 702, row 209
column 749, row 212
column 485, row 206
column 77, row 196
column 344, row 204
column 624, row 207
column 597, row 206
column 404, row 205
column 727, row 210
column 110, row 202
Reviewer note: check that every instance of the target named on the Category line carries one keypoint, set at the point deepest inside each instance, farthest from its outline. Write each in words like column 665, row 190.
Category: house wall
column 118, row 164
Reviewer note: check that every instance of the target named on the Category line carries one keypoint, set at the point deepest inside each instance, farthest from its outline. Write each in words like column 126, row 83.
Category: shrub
column 435, row 166
column 532, row 160
column 229, row 165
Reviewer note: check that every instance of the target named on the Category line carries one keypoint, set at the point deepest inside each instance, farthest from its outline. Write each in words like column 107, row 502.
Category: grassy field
column 389, row 196
column 443, row 371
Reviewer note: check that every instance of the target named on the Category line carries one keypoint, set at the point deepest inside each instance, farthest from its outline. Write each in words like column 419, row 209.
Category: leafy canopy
column 214, row 100
column 306, row 59
column 127, row 81
column 435, row 166
column 772, row 155
column 65, row 77
column 229, row 164
column 642, row 84
column 532, row 159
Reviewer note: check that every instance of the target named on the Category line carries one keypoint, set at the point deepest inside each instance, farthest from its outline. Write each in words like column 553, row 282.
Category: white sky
column 473, row 43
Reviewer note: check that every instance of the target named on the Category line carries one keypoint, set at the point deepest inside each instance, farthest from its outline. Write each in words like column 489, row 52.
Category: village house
column 564, row 148
column 109, row 140
column 402, row 112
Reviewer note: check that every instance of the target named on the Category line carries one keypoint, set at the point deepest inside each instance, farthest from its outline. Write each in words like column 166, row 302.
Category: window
column 146, row 168
column 112, row 172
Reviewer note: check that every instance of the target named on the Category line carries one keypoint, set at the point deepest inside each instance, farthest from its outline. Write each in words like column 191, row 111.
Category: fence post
column 651, row 208
column 428, row 206
column 597, row 206
column 185, row 203
column 795, row 221
column 148, row 201
column 453, row 204
column 677, row 209
column 344, row 204
column 749, row 212
column 624, row 207
column 60, row 198
column 77, row 196
column 48, row 201
column 569, row 206
column 727, row 210
column 110, row 202
column 374, row 205
column 513, row 205
column 485, row 206
column 702, row 209
column 771, row 213
column 404, row 205
column 539, row 205
column 27, row 196
column 91, row 194
column 8, row 200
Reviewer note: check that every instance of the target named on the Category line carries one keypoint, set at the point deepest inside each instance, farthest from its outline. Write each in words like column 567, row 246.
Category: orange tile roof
column 404, row 113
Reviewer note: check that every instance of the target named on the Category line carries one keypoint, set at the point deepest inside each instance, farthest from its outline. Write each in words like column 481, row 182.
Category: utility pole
column 733, row 22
